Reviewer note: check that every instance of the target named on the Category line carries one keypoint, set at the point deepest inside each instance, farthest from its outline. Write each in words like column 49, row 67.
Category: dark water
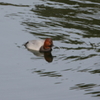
column 74, row 73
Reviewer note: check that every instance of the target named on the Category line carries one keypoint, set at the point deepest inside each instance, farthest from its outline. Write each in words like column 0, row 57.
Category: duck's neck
column 45, row 49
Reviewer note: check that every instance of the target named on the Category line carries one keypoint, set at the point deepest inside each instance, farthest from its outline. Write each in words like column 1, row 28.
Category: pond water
column 73, row 74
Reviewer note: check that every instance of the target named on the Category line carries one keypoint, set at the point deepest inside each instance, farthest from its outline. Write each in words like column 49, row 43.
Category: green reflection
column 83, row 86
column 89, row 88
column 95, row 71
column 49, row 74
column 10, row 4
column 82, row 16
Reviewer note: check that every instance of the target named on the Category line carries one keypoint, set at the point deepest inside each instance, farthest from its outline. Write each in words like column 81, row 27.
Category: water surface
column 74, row 26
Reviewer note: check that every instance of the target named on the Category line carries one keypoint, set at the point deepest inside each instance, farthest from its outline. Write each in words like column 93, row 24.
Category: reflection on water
column 49, row 74
column 84, row 86
column 10, row 4
column 47, row 55
column 95, row 93
column 95, row 71
column 88, row 88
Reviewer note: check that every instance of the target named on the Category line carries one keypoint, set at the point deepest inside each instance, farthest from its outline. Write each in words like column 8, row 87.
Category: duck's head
column 48, row 44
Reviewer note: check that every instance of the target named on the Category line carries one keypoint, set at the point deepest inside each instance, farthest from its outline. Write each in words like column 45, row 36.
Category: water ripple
column 10, row 4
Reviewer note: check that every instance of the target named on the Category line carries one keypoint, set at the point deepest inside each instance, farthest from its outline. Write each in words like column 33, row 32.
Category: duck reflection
column 47, row 55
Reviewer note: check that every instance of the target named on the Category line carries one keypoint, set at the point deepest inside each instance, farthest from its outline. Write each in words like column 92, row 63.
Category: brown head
column 48, row 44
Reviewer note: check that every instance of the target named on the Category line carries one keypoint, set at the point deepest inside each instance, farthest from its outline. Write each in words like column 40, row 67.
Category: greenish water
column 73, row 74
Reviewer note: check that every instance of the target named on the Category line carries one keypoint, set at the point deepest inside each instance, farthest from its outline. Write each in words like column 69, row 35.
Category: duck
column 40, row 45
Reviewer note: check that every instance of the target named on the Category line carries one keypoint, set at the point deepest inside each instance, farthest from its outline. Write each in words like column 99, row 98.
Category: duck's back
column 34, row 44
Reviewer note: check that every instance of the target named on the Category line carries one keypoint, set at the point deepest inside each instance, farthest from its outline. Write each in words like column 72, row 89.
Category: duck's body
column 40, row 45
column 34, row 44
